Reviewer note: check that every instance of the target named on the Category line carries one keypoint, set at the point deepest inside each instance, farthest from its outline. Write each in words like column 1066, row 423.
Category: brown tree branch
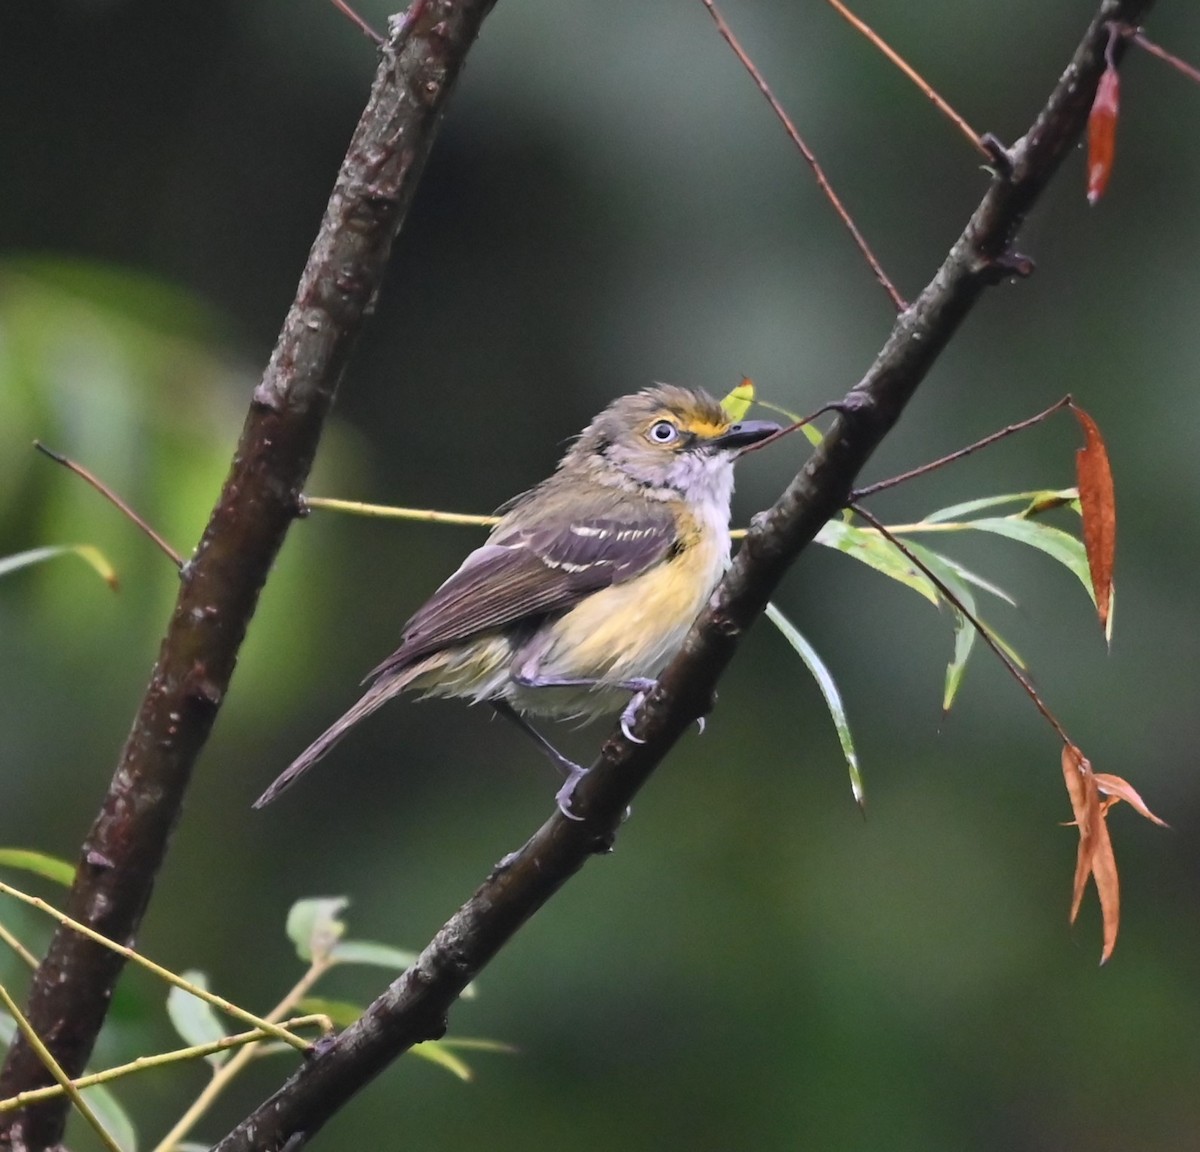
column 220, row 584
column 414, row 1006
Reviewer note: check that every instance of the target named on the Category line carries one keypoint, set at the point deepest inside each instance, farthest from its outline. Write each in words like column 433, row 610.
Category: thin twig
column 1136, row 35
column 388, row 512
column 979, row 627
column 927, row 89
column 112, row 498
column 357, row 21
column 224, row 1075
column 942, row 461
column 52, row 1066
column 158, row 1060
column 226, row 1006
column 808, row 154
column 10, row 939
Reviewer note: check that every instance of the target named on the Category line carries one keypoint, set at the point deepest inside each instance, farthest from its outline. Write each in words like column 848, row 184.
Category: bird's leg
column 573, row 772
column 638, row 685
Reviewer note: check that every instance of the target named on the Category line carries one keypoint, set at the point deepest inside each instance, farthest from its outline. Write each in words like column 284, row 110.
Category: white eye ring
column 662, row 432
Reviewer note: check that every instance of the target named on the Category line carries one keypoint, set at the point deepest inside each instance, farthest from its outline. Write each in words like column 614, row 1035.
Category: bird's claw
column 701, row 724
column 563, row 796
column 630, row 715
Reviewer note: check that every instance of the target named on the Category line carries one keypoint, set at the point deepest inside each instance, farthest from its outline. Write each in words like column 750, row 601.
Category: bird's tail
column 377, row 695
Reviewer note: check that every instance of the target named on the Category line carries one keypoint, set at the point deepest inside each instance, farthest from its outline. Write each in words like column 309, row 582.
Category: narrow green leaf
column 1029, row 499
column 194, row 1019
column 382, row 956
column 478, row 1044
column 829, row 689
column 370, row 952
column 343, row 1013
column 112, row 1116
column 436, row 1052
column 964, row 630
column 870, row 548
column 93, row 557
column 965, row 574
column 50, row 867
column 1056, row 543
column 313, row 926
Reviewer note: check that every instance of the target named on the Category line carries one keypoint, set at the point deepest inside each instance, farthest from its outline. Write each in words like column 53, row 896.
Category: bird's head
column 667, row 438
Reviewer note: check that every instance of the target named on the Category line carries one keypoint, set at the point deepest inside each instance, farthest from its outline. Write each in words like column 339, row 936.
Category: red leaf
column 1102, row 133
column 1097, row 502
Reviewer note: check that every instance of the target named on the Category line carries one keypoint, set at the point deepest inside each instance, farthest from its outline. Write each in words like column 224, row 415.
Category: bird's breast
column 630, row 630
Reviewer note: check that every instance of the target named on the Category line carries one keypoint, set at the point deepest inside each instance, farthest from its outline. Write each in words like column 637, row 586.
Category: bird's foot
column 563, row 796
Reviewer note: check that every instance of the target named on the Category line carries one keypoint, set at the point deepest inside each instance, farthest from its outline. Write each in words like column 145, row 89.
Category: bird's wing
column 532, row 572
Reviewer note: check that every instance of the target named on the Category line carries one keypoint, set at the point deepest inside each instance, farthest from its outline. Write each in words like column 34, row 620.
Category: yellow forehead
column 697, row 423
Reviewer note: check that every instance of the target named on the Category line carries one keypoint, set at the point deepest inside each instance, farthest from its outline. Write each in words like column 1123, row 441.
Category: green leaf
column 194, row 1019
column 382, row 956
column 829, row 689
column 737, row 402
column 964, row 630
column 436, row 1052
column 1031, row 500
column 93, row 557
column 50, row 867
column 112, row 1116
column 313, row 926
column 1056, row 543
column 370, row 952
column 343, row 1013
column 965, row 574
column 867, row 546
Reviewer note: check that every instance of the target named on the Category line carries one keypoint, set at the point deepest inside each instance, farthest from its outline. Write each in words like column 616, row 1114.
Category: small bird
column 588, row 584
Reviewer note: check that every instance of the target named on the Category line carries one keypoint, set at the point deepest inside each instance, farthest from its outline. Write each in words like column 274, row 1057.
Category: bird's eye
column 663, row 432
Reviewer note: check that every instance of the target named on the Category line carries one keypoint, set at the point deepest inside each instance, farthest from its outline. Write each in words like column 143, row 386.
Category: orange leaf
column 1097, row 502
column 1120, row 789
column 1104, row 873
column 1102, row 133
column 1085, row 804
column 1095, row 857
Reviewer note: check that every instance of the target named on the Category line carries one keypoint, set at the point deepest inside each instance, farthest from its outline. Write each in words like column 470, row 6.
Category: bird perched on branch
column 588, row 584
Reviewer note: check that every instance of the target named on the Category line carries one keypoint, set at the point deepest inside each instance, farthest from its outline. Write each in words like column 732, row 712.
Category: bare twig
column 929, row 91
column 808, row 154
column 1140, row 39
column 357, row 21
column 942, row 461
column 113, row 499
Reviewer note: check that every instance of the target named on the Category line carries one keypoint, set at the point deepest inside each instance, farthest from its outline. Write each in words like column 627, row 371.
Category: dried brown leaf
column 1120, row 789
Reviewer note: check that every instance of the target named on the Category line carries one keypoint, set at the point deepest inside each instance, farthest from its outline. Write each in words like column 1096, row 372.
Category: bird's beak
column 744, row 433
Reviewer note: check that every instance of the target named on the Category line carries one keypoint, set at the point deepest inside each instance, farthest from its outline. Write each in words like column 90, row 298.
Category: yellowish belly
column 625, row 632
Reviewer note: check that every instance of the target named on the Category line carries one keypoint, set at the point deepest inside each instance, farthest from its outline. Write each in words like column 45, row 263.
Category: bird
column 587, row 584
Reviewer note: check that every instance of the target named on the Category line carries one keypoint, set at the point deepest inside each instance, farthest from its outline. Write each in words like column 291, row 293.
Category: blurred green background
column 610, row 203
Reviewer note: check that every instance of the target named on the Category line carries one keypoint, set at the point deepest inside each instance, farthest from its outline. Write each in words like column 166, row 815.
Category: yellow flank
column 630, row 630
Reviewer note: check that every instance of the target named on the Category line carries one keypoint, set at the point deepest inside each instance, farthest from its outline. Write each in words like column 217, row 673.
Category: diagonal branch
column 219, row 586
column 414, row 1007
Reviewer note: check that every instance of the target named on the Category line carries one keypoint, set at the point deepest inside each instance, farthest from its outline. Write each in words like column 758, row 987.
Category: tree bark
column 219, row 587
